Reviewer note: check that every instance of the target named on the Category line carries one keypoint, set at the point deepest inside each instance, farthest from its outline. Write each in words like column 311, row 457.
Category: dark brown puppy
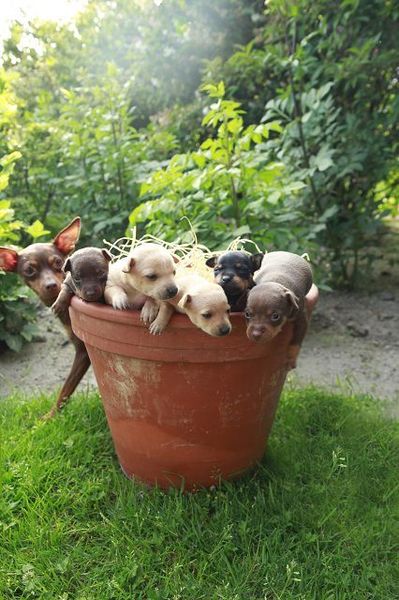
column 234, row 273
column 282, row 283
column 40, row 266
column 87, row 272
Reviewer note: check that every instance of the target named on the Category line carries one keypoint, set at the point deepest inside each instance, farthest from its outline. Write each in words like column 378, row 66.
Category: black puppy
column 87, row 273
column 234, row 272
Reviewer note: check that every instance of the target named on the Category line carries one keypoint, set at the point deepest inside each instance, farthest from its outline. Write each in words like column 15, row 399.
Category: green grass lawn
column 319, row 519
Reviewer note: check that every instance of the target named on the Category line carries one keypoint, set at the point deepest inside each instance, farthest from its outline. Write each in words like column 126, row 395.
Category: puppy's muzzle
column 169, row 293
column 259, row 333
column 92, row 294
column 224, row 330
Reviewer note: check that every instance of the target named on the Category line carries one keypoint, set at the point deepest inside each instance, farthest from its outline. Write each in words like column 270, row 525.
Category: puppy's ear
column 67, row 266
column 293, row 301
column 106, row 255
column 176, row 259
column 66, row 239
column 256, row 261
column 187, row 299
column 211, row 262
column 129, row 265
column 8, row 259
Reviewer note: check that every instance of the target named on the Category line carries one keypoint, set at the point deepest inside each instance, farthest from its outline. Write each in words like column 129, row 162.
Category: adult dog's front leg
column 79, row 367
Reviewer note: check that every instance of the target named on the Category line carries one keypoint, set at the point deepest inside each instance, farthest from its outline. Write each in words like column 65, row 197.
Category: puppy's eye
column 247, row 314
column 207, row 315
column 275, row 316
column 152, row 277
column 174, row 271
column 228, row 311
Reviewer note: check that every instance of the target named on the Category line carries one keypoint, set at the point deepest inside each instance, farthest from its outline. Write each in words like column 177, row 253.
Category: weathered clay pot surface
column 184, row 409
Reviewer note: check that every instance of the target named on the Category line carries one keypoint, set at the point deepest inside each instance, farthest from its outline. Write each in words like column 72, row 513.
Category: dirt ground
column 352, row 344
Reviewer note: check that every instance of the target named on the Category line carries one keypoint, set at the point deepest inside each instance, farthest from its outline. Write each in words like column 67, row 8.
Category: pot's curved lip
column 107, row 313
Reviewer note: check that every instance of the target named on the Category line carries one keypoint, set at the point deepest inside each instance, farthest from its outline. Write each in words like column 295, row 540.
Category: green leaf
column 36, row 230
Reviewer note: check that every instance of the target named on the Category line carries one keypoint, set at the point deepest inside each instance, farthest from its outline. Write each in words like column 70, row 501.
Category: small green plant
column 17, row 309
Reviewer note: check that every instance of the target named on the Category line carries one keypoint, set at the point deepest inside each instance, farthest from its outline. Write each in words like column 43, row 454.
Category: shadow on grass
column 317, row 519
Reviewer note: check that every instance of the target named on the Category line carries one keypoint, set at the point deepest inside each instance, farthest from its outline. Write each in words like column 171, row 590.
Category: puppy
column 282, row 283
column 87, row 272
column 148, row 271
column 204, row 303
column 234, row 272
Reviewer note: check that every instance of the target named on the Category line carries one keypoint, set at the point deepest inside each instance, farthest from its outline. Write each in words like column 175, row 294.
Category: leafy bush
column 17, row 311
column 228, row 187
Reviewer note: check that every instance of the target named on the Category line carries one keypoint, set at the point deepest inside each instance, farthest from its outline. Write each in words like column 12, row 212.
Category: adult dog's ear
column 106, row 255
column 8, row 259
column 129, row 265
column 293, row 301
column 66, row 239
column 256, row 261
column 211, row 262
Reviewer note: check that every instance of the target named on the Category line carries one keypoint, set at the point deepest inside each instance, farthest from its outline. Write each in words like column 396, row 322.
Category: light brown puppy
column 149, row 270
column 282, row 283
column 204, row 302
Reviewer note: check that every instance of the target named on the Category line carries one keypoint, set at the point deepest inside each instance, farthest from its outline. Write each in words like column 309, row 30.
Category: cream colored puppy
column 203, row 301
column 148, row 271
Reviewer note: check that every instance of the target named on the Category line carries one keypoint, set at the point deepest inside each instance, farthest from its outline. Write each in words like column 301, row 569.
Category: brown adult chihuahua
column 40, row 266
column 282, row 283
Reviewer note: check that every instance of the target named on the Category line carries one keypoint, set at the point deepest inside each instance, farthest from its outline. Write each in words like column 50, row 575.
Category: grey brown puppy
column 282, row 283
column 87, row 272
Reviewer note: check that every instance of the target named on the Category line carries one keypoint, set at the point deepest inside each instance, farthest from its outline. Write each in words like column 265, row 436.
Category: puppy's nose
column 92, row 294
column 226, row 278
column 51, row 285
column 171, row 291
column 224, row 329
column 257, row 333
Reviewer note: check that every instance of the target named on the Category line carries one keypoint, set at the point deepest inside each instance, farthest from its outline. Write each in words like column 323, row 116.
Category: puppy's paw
column 120, row 302
column 292, row 355
column 149, row 312
column 156, row 328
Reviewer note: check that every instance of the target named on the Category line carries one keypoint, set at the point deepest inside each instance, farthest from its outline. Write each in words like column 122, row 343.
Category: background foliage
column 278, row 121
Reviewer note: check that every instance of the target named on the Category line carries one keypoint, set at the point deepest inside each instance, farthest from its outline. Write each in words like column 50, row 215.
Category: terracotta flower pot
column 184, row 409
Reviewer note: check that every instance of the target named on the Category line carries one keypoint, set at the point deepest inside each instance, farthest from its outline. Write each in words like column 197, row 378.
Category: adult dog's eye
column 29, row 271
column 275, row 316
column 57, row 263
column 247, row 314
column 207, row 315
column 152, row 277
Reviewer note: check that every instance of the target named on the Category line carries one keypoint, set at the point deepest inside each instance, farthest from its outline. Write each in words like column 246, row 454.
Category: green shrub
column 17, row 309
column 229, row 186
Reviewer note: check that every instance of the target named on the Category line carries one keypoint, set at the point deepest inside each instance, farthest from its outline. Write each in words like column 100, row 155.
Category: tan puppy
column 204, row 302
column 149, row 270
